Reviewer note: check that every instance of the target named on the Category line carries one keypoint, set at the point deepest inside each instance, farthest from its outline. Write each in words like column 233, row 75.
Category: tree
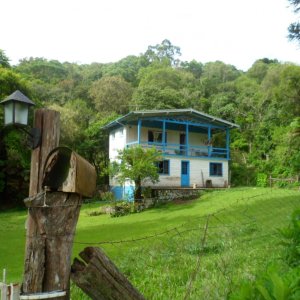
column 14, row 155
column 127, row 67
column 163, row 87
column 4, row 60
column 294, row 28
column 75, row 116
column 163, row 52
column 111, row 94
column 136, row 164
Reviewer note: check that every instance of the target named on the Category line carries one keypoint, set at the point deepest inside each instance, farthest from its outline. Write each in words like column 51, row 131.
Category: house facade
column 195, row 147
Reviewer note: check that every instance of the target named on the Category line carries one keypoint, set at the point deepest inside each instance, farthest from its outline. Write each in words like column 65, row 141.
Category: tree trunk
column 138, row 190
column 100, row 279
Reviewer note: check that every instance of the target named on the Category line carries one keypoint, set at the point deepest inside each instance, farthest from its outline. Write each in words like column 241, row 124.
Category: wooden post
column 48, row 122
column 55, row 216
column 52, row 218
column 100, row 279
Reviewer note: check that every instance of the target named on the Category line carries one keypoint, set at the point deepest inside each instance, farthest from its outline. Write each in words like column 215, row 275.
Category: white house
column 194, row 146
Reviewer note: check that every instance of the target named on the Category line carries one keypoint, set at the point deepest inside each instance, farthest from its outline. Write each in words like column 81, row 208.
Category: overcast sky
column 237, row 32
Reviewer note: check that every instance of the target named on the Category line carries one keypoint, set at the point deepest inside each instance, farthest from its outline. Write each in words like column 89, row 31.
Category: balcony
column 185, row 150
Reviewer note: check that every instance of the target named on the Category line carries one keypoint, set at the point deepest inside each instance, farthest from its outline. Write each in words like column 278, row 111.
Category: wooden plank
column 100, row 279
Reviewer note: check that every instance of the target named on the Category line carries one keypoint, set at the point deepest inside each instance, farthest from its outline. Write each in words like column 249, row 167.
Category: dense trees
column 264, row 101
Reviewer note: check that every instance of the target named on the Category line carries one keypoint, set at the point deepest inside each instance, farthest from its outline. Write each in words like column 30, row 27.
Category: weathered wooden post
column 53, row 209
column 99, row 278
column 49, row 123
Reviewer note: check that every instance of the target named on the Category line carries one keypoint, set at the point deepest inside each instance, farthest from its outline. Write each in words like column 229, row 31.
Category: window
column 215, row 169
column 155, row 136
column 163, row 167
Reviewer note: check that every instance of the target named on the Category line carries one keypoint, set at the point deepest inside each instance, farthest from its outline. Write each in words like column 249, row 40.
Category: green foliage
column 4, row 60
column 294, row 28
column 264, row 101
column 121, row 208
column 278, row 282
column 111, row 94
column 261, row 180
column 163, row 52
column 136, row 164
column 291, row 235
column 107, row 196
column 272, row 285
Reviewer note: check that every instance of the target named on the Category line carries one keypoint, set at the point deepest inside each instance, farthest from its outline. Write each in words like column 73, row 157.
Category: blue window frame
column 215, row 169
column 163, row 167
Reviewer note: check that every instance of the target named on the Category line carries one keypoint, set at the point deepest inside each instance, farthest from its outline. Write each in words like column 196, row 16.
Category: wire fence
column 209, row 255
column 205, row 256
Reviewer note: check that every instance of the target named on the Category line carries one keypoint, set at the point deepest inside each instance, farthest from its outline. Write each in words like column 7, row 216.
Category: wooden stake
column 100, row 279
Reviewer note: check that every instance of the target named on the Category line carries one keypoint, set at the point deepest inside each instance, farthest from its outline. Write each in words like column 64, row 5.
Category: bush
column 122, row 208
column 291, row 241
column 261, row 179
column 107, row 196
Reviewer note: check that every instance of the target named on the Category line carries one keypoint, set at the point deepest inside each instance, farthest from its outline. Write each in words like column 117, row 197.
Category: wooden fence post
column 49, row 123
column 52, row 214
column 100, row 279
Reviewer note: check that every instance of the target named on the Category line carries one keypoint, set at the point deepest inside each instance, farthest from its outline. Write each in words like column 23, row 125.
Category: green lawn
column 166, row 252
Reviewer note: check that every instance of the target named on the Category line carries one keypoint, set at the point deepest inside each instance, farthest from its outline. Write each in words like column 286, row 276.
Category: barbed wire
column 212, row 236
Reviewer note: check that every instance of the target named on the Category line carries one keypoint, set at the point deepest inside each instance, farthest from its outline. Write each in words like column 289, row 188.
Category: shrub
column 291, row 235
column 261, row 180
column 121, row 208
column 107, row 196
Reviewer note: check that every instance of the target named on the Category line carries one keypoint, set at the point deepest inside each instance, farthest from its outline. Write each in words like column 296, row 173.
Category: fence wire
column 207, row 256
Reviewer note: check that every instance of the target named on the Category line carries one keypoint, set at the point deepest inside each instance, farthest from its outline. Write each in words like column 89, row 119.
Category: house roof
column 184, row 115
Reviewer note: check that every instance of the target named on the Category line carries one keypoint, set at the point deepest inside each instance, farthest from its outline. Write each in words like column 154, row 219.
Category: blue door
column 185, row 173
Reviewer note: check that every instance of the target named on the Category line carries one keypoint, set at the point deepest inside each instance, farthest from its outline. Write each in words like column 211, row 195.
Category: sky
column 237, row 32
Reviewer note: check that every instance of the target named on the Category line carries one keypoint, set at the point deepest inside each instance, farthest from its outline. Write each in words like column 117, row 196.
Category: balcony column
column 187, row 139
column 164, row 135
column 139, row 131
column 209, row 139
column 227, row 143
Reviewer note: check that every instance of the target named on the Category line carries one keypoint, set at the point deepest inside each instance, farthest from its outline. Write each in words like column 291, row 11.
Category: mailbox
column 66, row 171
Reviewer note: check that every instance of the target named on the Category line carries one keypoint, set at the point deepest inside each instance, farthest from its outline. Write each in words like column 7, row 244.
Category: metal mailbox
column 66, row 171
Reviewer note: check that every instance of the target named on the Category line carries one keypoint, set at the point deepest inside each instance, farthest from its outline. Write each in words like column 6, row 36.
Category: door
column 182, row 142
column 185, row 173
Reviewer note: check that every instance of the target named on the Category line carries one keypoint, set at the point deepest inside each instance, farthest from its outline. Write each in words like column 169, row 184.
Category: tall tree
column 164, row 51
column 294, row 28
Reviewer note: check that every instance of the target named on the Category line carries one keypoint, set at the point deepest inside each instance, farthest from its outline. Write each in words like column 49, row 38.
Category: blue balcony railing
column 185, row 150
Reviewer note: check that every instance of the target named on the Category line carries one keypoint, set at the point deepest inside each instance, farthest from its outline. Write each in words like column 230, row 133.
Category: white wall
column 199, row 173
column 117, row 141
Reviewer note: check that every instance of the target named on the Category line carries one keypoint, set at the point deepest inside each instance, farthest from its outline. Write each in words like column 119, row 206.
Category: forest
column 264, row 101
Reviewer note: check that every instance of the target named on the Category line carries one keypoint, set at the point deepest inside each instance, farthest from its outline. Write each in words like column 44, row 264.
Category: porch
column 180, row 138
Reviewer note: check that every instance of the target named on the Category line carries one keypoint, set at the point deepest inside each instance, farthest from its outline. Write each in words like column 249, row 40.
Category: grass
column 179, row 259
